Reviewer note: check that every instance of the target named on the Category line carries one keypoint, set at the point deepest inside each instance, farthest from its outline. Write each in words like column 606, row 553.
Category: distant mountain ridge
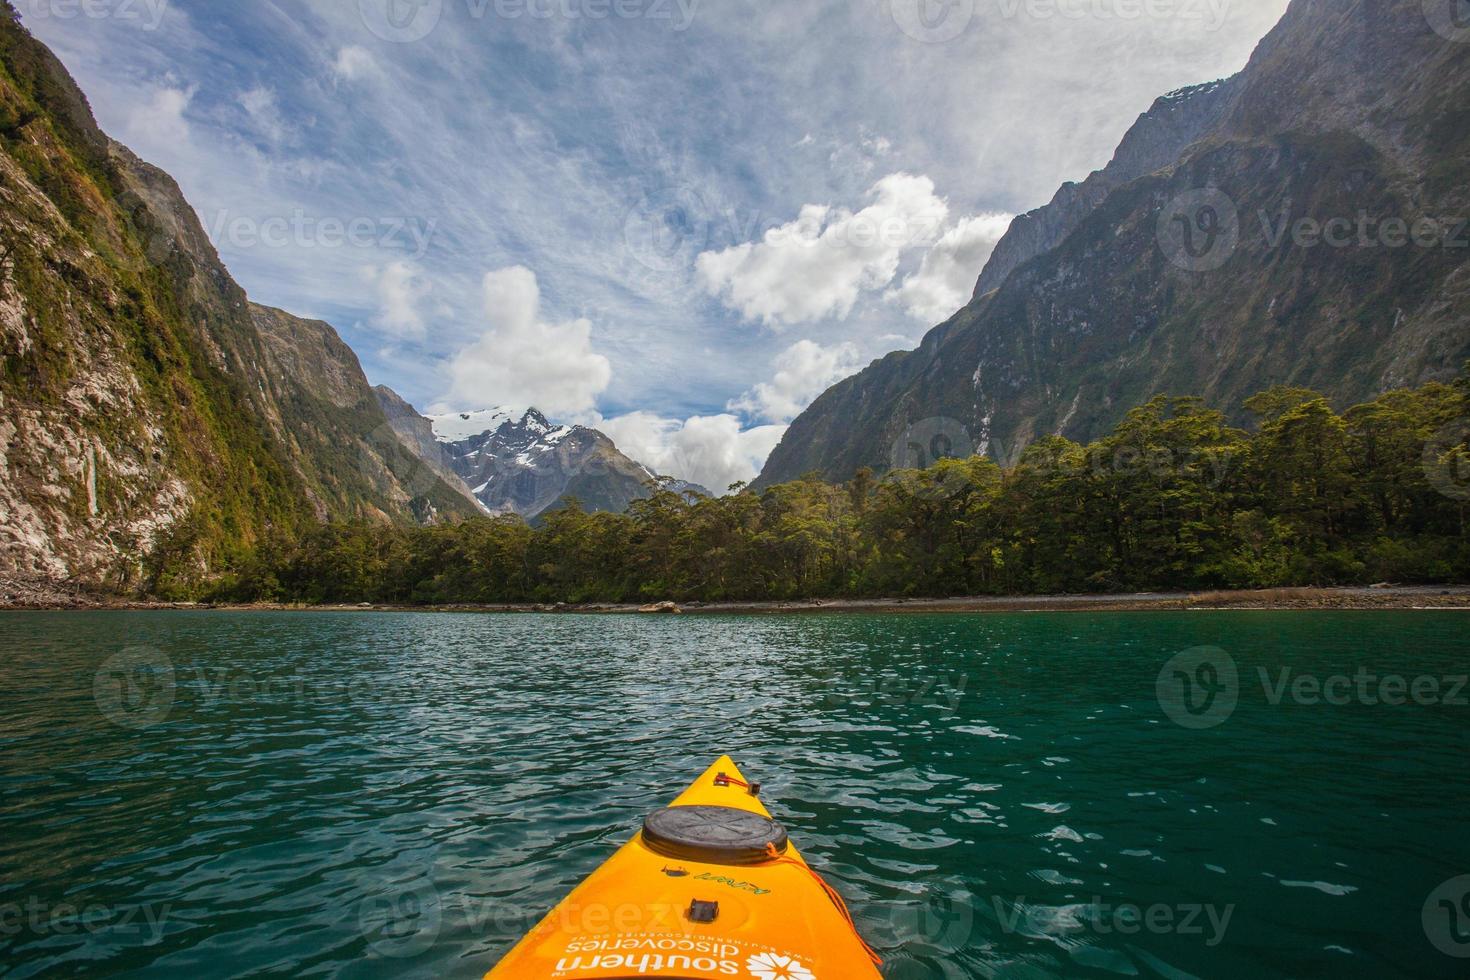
column 1346, row 107
column 516, row 461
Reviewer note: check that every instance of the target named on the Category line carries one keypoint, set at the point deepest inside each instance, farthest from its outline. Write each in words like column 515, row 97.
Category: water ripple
column 334, row 795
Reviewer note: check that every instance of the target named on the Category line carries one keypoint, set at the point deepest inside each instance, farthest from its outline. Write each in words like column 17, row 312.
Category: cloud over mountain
column 946, row 276
column 524, row 360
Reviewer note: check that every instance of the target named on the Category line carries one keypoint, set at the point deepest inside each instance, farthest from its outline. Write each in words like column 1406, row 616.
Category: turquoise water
column 360, row 795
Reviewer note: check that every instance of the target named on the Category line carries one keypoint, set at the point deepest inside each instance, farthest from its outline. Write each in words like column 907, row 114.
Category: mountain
column 525, row 465
column 1174, row 123
column 417, row 434
column 154, row 423
column 1208, row 274
column 517, row 462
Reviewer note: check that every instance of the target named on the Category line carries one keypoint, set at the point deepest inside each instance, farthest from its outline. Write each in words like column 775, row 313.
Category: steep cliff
column 416, row 433
column 1312, row 235
column 1156, row 140
column 154, row 422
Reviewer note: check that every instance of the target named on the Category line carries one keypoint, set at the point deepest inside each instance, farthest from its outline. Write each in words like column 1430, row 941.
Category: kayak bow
column 709, row 888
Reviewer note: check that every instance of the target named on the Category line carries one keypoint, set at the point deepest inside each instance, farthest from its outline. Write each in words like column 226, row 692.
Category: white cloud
column 1026, row 103
column 522, row 360
column 160, row 120
column 711, row 450
column 803, row 371
column 354, row 62
column 946, row 278
column 817, row 265
column 400, row 289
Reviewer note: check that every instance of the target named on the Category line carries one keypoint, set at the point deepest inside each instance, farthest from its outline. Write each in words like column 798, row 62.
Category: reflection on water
column 212, row 795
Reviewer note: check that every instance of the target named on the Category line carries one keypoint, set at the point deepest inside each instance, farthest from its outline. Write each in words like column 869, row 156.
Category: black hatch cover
column 713, row 834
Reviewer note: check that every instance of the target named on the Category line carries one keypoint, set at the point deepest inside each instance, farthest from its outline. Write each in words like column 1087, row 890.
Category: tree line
column 1174, row 498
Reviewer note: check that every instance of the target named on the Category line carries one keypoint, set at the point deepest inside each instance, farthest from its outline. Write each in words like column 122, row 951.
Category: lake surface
column 1019, row 796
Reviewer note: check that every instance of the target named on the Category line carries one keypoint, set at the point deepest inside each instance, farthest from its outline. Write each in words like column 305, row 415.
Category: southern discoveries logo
column 653, row 954
column 774, row 966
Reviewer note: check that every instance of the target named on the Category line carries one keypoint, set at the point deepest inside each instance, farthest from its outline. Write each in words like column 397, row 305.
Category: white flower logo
column 774, row 966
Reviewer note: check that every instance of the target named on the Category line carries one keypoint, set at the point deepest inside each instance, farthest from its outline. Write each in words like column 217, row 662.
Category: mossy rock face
column 137, row 375
column 1094, row 316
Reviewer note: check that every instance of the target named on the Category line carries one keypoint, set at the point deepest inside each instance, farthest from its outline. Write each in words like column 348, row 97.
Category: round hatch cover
column 713, row 834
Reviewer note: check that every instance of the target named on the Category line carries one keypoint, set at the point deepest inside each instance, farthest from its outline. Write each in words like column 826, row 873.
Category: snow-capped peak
column 459, row 426
column 519, row 462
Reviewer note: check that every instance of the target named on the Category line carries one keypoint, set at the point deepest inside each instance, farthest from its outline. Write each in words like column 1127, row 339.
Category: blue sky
column 675, row 219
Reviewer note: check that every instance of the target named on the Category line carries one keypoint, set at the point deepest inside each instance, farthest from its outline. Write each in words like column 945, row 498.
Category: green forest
column 1174, row 498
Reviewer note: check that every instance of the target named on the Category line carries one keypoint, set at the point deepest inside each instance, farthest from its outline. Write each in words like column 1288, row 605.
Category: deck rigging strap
column 777, row 858
column 724, row 779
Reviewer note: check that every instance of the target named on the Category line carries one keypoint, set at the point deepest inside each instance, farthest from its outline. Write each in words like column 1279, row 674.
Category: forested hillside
column 1174, row 498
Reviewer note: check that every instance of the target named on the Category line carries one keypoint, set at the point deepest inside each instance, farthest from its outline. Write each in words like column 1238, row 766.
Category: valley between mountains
column 157, row 426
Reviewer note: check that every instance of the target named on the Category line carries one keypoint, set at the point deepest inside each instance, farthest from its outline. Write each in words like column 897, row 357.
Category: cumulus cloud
column 717, row 451
column 400, row 290
column 523, row 360
column 1056, row 98
column 946, row 278
column 803, row 371
column 711, row 450
column 816, row 266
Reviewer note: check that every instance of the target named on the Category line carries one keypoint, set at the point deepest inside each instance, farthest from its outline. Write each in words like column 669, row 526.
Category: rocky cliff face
column 154, row 422
column 1155, row 141
column 1311, row 234
column 416, row 433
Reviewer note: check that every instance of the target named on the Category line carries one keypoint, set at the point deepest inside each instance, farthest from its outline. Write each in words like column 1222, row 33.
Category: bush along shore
column 1174, row 500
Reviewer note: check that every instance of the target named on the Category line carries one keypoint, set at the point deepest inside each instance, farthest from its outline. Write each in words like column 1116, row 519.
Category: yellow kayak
column 709, row 888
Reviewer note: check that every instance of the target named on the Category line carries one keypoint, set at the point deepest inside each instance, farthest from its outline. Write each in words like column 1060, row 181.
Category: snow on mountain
column 458, row 426
column 516, row 461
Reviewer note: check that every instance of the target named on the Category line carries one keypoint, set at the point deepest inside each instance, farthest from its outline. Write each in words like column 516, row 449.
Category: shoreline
column 50, row 597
